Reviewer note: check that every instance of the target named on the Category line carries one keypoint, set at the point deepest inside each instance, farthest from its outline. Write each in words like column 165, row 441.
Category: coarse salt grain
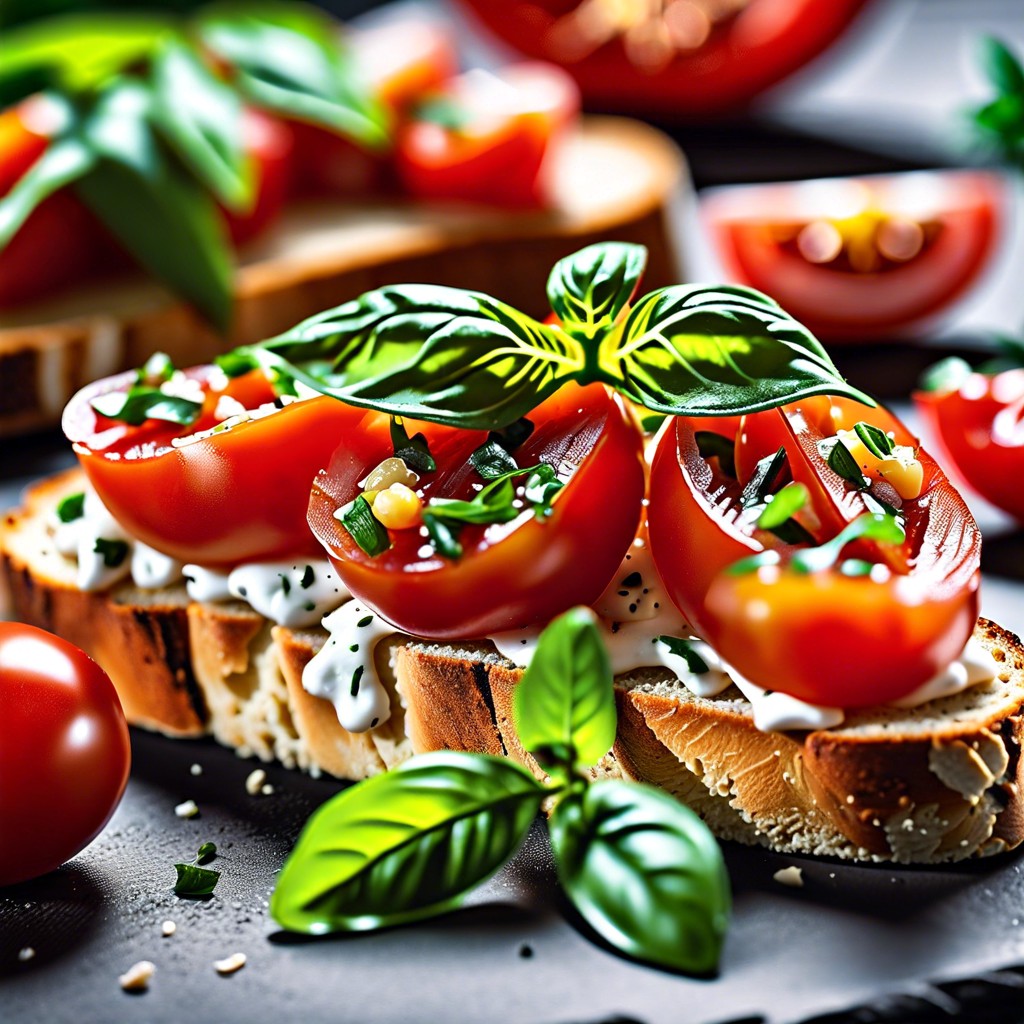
column 230, row 964
column 26, row 954
column 196, row 769
column 168, row 928
column 791, row 876
column 254, row 783
column 137, row 977
column 188, row 809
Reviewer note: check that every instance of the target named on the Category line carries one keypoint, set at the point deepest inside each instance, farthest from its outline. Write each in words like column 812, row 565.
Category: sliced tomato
column 922, row 600
column 981, row 428
column 233, row 496
column 512, row 574
column 859, row 257
column 488, row 137
column 672, row 58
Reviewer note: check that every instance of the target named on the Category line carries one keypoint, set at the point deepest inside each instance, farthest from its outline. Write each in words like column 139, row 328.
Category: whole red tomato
column 64, row 751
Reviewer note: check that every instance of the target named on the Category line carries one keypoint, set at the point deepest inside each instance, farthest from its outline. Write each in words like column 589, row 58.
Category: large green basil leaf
column 645, row 873
column 200, row 117
column 161, row 215
column 290, row 58
column 428, row 352
column 590, row 288
column 564, row 706
column 1001, row 66
column 405, row 845
column 711, row 350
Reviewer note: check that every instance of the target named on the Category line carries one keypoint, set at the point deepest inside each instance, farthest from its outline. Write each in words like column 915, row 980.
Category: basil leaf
column 114, row 552
column 200, row 117
column 946, row 375
column 206, row 852
column 443, row 536
column 161, row 215
column 762, row 480
column 541, row 487
column 1001, row 66
column 139, row 404
column 651, row 424
column 717, row 446
column 880, row 527
column 589, row 289
column 289, row 58
column 71, row 507
column 564, row 706
column 644, row 872
column 407, row 844
column 683, row 648
column 358, row 520
column 841, row 461
column 428, row 352
column 697, row 350
column 158, row 367
column 877, row 441
column 493, row 504
column 194, row 880
column 491, row 461
column 413, row 451
column 64, row 161
column 783, row 505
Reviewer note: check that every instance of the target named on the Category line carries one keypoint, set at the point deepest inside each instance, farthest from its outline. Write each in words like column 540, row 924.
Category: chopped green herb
column 541, row 487
column 158, row 367
column 114, row 552
column 782, row 506
column 140, row 403
column 877, row 441
column 841, row 461
column 651, row 423
column 413, row 451
column 364, row 621
column 286, row 584
column 443, row 536
column 364, row 527
column 763, row 479
column 717, row 446
column 683, row 648
column 206, row 852
column 308, row 576
column 309, row 606
column 71, row 507
column 195, row 881
column 491, row 460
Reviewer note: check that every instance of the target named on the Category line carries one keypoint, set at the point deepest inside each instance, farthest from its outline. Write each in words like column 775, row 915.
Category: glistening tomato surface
column 64, row 751
column 856, row 257
column 675, row 57
column 236, row 495
column 981, row 428
column 512, row 574
column 924, row 608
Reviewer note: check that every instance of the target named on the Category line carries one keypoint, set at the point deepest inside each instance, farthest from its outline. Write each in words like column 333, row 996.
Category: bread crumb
column 254, row 783
column 168, row 928
column 136, row 978
column 230, row 964
column 196, row 769
column 791, row 876
column 188, row 809
column 26, row 954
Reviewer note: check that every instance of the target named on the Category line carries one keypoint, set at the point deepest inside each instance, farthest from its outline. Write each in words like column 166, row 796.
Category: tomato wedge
column 901, row 623
column 860, row 257
column 233, row 496
column 980, row 425
column 510, row 574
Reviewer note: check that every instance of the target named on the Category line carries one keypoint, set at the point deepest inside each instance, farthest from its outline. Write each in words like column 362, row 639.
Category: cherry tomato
column 670, row 58
column 923, row 597
column 488, row 137
column 236, row 495
column 853, row 257
column 980, row 427
column 64, row 751
column 509, row 575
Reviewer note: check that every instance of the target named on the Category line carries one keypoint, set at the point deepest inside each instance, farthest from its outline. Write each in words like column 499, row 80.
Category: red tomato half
column 981, row 428
column 234, row 496
column 856, row 257
column 488, row 137
column 670, row 58
column 779, row 628
column 64, row 751
column 512, row 574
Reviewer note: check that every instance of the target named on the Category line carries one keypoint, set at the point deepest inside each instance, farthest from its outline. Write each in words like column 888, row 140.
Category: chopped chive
column 308, row 576
column 364, row 527
column 114, row 552
column 682, row 648
column 878, row 442
column 71, row 507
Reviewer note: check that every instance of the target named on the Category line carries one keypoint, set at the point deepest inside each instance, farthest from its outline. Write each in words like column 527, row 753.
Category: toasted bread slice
column 932, row 784
column 614, row 179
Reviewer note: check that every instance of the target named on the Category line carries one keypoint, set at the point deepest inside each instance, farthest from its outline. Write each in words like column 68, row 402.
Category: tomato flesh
column 64, row 751
column 234, row 496
column 510, row 575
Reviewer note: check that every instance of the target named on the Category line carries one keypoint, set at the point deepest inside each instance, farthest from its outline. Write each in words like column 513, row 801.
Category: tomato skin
column 510, row 575
column 501, row 156
column 233, row 497
column 836, row 302
column 741, row 58
column 765, row 623
column 979, row 428
column 64, row 751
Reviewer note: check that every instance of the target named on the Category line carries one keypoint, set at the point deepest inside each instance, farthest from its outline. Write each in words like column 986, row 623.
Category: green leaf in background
column 200, row 117
column 427, row 352
column 162, row 216
column 644, row 872
column 405, row 845
column 700, row 350
column 289, row 58
column 1001, row 66
column 589, row 289
column 564, row 706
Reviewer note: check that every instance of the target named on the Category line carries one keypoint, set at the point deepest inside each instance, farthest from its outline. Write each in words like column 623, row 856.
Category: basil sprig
column 999, row 123
column 641, row 869
column 468, row 360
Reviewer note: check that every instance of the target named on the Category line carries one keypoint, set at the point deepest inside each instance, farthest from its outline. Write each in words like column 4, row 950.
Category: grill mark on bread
column 482, row 679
